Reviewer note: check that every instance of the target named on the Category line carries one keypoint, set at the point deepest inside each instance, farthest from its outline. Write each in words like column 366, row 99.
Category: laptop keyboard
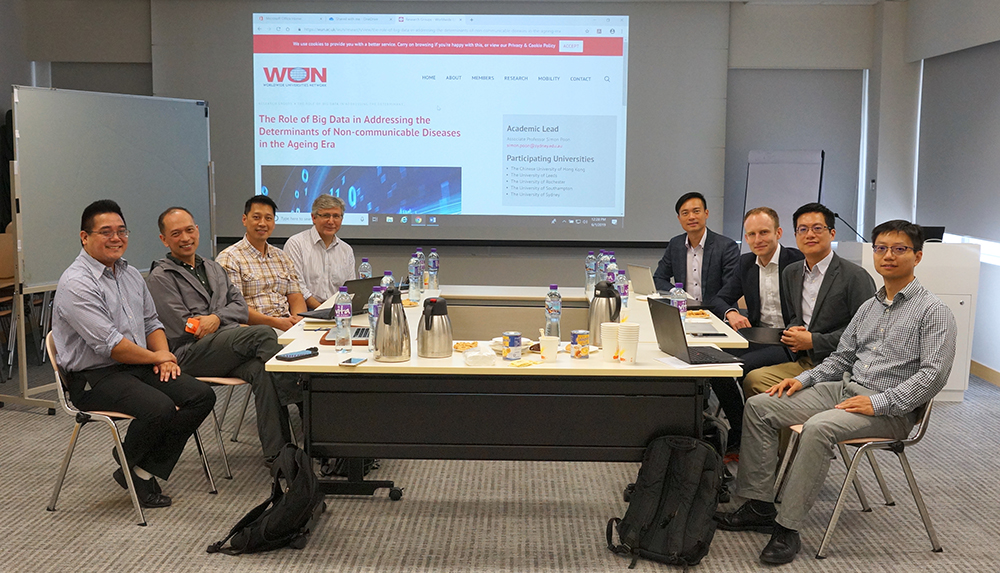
column 709, row 356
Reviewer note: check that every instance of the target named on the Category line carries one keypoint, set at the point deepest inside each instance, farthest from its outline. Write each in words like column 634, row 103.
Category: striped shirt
column 95, row 309
column 322, row 269
column 903, row 350
column 265, row 280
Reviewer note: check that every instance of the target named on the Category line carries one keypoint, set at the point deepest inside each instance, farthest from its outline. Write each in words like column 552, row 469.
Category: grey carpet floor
column 459, row 516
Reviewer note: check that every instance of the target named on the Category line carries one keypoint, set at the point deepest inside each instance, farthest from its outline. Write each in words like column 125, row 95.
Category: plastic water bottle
column 679, row 299
column 387, row 280
column 416, row 282
column 589, row 275
column 423, row 268
column 342, row 310
column 621, row 285
column 612, row 270
column 433, row 265
column 374, row 311
column 364, row 269
column 553, row 311
column 602, row 264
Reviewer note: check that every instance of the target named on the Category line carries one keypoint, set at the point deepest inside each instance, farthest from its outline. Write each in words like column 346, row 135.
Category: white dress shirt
column 770, row 294
column 322, row 269
column 695, row 260
column 812, row 279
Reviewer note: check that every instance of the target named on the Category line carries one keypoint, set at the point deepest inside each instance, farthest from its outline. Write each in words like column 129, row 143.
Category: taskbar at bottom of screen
column 454, row 221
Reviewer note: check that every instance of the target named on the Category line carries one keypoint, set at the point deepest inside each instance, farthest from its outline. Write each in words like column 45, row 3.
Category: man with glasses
column 323, row 261
column 185, row 286
column 897, row 350
column 265, row 275
column 699, row 258
column 825, row 291
column 112, row 347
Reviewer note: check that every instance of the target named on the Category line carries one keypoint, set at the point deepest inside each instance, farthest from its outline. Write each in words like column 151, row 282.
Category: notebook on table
column 672, row 340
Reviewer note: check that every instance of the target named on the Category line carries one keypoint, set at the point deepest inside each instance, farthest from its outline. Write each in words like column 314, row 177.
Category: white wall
column 893, row 111
column 937, row 27
column 800, row 37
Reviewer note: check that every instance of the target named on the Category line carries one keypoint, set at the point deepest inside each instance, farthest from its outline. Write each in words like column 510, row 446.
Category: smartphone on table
column 350, row 362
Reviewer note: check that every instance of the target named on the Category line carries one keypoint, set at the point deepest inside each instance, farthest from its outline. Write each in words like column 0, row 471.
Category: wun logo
column 295, row 75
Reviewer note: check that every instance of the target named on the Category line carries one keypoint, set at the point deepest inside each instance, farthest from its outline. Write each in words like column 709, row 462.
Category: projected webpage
column 440, row 120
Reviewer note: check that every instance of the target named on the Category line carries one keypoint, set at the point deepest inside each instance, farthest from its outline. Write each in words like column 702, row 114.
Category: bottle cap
column 434, row 250
column 387, row 273
column 364, row 259
column 553, row 287
column 343, row 289
column 679, row 285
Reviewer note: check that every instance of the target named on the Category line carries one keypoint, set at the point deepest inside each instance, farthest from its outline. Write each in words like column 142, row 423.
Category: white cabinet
column 950, row 271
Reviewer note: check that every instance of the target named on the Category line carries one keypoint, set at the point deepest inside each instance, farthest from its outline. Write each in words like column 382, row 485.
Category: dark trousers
column 241, row 352
column 166, row 413
column 728, row 389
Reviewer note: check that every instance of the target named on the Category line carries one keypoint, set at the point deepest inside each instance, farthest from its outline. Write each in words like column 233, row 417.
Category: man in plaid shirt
column 264, row 273
column 898, row 350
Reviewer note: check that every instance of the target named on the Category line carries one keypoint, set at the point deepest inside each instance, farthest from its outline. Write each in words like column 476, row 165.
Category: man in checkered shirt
column 898, row 350
column 264, row 273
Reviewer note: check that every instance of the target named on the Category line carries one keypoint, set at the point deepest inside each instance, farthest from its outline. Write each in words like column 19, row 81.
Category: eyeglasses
column 326, row 216
column 110, row 233
column 898, row 250
column 816, row 229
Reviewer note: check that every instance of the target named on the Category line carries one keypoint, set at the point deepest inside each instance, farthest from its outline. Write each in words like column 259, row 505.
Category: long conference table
column 567, row 410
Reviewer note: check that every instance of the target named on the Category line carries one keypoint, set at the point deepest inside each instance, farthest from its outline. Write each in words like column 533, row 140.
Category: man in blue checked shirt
column 898, row 350
column 112, row 347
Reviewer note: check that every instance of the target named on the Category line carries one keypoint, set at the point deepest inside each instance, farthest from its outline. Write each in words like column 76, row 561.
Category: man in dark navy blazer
column 700, row 259
column 758, row 281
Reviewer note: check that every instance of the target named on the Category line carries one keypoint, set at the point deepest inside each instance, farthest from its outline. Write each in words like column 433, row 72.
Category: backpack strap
column 247, row 520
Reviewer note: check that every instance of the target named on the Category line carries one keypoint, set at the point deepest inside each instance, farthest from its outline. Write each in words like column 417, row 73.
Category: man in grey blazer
column 700, row 259
column 825, row 291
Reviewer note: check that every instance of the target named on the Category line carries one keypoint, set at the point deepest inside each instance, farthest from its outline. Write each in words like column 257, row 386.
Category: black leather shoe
column 156, row 484
column 145, row 490
column 746, row 519
column 782, row 547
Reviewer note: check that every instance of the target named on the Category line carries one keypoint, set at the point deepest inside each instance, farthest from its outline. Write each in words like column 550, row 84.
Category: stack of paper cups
column 609, row 341
column 628, row 341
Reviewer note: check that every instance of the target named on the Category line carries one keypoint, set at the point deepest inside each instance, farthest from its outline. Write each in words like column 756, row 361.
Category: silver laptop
column 672, row 340
column 642, row 279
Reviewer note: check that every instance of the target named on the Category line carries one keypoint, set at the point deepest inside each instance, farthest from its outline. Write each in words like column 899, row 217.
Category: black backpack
column 287, row 517
column 672, row 503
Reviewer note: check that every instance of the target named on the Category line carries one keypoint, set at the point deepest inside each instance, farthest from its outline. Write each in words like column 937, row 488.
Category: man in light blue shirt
column 113, row 349
column 897, row 353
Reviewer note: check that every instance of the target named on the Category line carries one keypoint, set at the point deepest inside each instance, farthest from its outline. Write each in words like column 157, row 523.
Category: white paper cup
column 548, row 348
column 628, row 328
column 627, row 350
column 609, row 341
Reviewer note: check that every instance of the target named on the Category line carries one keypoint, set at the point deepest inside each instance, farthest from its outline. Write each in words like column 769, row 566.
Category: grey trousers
column 823, row 427
column 241, row 353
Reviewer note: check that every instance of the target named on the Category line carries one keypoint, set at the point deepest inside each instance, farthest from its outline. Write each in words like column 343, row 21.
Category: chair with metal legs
column 231, row 384
column 866, row 446
column 109, row 418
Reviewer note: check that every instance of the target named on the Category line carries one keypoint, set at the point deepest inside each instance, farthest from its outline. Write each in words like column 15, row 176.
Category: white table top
column 564, row 365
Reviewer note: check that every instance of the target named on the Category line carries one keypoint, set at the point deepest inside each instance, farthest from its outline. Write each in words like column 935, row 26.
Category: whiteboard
column 72, row 148
column 783, row 181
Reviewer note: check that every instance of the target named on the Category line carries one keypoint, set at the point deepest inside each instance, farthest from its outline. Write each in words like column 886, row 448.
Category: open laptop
column 670, row 336
column 642, row 280
column 359, row 289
